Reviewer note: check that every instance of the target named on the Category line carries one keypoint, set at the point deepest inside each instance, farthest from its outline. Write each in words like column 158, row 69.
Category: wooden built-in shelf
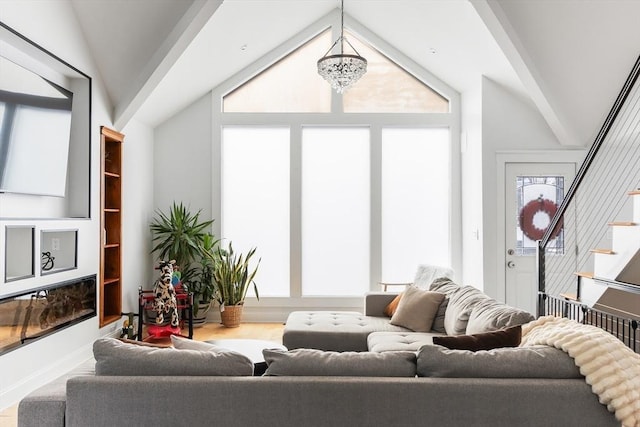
column 111, row 226
column 602, row 251
column 622, row 223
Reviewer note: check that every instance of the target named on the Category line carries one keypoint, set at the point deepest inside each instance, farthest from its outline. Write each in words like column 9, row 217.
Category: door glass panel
column 335, row 211
column 538, row 198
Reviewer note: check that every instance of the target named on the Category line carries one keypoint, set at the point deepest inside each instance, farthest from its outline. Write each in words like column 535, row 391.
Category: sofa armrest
column 376, row 302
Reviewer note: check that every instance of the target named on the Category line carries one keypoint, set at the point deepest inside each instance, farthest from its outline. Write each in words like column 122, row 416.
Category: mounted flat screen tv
column 44, row 121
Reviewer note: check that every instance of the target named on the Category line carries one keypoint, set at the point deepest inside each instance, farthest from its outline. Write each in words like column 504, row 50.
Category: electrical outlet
column 55, row 244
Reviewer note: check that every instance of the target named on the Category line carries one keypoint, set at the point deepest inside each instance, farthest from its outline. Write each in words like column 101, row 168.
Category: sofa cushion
column 490, row 315
column 461, row 303
column 309, row 362
column 333, row 330
column 182, row 343
column 399, row 341
column 510, row 362
column 417, row 309
column 509, row 337
column 114, row 357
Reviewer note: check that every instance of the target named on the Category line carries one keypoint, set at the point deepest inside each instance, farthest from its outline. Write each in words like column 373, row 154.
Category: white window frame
column 276, row 308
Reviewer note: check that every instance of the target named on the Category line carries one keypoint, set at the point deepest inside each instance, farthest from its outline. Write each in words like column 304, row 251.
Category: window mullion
column 295, row 221
column 375, row 266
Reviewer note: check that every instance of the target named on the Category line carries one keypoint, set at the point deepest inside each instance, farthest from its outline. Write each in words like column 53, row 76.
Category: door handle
column 511, row 264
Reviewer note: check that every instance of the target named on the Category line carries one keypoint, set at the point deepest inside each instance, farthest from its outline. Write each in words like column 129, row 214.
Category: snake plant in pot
column 233, row 275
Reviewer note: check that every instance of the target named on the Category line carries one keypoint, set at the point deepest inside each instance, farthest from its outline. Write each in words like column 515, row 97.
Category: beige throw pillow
column 417, row 309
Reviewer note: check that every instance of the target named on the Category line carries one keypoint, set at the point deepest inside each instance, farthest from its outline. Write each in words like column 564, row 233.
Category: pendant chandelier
column 342, row 70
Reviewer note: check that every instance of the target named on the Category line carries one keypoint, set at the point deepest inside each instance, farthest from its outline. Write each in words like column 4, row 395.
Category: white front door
column 533, row 191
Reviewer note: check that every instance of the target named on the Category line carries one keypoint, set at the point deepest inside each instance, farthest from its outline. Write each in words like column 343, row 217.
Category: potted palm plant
column 203, row 285
column 180, row 235
column 233, row 275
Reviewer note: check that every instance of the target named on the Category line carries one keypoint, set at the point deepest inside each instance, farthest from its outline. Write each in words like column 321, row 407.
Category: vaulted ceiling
column 568, row 58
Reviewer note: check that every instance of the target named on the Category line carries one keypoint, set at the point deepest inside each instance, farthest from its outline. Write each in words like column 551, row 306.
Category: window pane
column 255, row 200
column 388, row 88
column 291, row 85
column 415, row 201
column 335, row 211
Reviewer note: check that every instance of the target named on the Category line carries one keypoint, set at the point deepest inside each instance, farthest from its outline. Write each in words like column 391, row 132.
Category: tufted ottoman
column 399, row 341
column 333, row 330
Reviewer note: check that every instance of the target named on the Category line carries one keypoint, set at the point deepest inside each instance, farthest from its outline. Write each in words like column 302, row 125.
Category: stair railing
column 596, row 196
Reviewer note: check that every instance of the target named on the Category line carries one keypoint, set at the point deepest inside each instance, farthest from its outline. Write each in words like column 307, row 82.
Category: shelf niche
column 111, row 226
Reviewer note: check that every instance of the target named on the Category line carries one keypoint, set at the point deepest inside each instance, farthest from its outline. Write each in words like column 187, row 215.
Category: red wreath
column 530, row 210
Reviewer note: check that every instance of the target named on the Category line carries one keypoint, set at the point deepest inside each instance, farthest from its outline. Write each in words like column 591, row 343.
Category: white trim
column 528, row 156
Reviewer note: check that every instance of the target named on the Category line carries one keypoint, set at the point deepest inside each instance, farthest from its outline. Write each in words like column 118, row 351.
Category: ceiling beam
column 507, row 38
column 194, row 19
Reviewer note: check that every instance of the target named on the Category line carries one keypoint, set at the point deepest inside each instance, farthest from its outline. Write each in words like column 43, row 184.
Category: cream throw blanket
column 611, row 368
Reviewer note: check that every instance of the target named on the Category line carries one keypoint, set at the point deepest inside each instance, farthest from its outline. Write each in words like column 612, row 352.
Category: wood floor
column 264, row 331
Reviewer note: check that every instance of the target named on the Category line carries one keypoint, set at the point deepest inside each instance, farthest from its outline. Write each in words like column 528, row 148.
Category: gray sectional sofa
column 464, row 310
column 362, row 372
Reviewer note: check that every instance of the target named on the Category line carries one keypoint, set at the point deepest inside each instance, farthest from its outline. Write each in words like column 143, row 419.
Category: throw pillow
column 490, row 315
column 509, row 337
column 311, row 362
column 114, row 357
column 510, row 362
column 438, row 321
column 417, row 309
column 390, row 309
column 461, row 303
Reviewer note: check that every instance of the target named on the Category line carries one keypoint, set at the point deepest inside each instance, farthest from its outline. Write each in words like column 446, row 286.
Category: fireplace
column 31, row 315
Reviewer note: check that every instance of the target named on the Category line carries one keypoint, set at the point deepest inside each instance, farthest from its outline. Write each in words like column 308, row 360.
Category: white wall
column 471, row 171
column 508, row 123
column 137, row 211
column 182, row 159
column 53, row 25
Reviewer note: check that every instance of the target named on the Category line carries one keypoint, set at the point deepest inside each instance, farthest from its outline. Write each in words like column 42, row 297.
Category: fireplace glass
column 31, row 315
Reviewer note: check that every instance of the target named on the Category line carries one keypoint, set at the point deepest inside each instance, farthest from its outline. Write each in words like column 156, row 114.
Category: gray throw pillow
column 509, row 362
column 444, row 285
column 490, row 315
column 461, row 303
column 417, row 309
column 114, row 357
column 438, row 321
column 310, row 362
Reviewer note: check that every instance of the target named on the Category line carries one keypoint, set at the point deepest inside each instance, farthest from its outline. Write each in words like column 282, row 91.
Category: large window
column 335, row 211
column 337, row 192
column 255, row 200
column 415, row 201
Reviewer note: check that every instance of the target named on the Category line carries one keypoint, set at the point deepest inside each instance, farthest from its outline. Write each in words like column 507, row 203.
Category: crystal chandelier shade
column 342, row 70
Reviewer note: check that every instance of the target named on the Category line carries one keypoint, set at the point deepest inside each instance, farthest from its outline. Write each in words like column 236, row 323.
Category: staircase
column 614, row 285
column 605, row 252
column 609, row 297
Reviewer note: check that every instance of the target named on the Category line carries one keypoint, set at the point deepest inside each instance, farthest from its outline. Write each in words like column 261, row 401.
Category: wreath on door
column 529, row 211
